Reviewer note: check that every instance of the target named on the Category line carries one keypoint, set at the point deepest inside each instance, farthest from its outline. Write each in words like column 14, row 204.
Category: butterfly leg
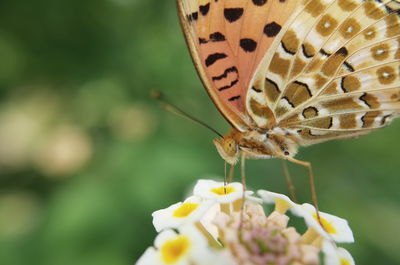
column 242, row 173
column 225, row 175
column 289, row 180
column 231, row 172
column 312, row 182
column 243, row 176
column 228, row 179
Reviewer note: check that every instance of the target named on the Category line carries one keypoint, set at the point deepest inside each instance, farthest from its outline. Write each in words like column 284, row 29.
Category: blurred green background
column 86, row 156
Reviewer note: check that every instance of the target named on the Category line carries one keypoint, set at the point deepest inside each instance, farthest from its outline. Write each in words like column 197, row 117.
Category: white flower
column 282, row 202
column 335, row 255
column 334, row 227
column 190, row 211
column 250, row 199
column 177, row 249
column 217, row 191
column 149, row 257
column 207, row 221
column 345, row 257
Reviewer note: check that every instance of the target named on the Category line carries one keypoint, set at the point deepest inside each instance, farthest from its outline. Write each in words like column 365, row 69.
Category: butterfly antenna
column 165, row 104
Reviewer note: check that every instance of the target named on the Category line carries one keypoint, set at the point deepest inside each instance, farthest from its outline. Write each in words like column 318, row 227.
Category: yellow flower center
column 330, row 229
column 174, row 249
column 223, row 190
column 185, row 209
column 344, row 262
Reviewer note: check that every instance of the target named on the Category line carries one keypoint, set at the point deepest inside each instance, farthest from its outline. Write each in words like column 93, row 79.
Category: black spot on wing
column 217, row 36
column 256, row 89
column 342, row 51
column 259, row 2
column 303, row 47
column 363, row 99
column 234, row 82
column 330, row 123
column 342, row 85
column 286, row 49
column 234, row 98
column 324, row 53
column 314, row 109
column 272, row 29
column 212, row 58
column 225, row 74
column 348, row 66
column 202, row 41
column 363, row 119
column 214, row 37
column 193, row 17
column 248, row 45
column 274, row 85
column 233, row 14
column 290, row 103
column 204, row 9
column 305, row 86
column 385, row 118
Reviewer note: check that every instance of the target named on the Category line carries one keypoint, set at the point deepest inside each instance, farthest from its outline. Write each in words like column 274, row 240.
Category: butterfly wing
column 227, row 40
column 334, row 73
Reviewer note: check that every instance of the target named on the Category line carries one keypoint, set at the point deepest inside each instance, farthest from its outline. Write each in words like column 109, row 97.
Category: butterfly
column 291, row 73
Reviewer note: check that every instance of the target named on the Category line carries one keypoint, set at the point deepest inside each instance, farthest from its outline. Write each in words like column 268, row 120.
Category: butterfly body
column 257, row 144
column 290, row 73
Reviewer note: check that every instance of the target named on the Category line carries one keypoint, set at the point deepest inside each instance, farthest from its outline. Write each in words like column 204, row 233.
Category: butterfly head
column 228, row 148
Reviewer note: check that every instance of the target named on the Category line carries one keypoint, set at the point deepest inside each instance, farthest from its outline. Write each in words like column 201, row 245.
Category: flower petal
column 345, row 257
column 335, row 255
column 217, row 191
column 149, row 257
column 190, row 211
column 334, row 227
column 282, row 202
column 182, row 248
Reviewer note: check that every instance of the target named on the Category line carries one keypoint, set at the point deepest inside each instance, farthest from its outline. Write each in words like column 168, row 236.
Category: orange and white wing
column 334, row 72
column 227, row 40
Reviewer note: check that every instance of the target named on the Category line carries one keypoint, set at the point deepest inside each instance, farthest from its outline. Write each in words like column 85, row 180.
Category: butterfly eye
column 230, row 146
column 227, row 148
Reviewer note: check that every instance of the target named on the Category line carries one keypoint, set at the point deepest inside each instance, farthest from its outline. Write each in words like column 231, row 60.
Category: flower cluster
column 219, row 225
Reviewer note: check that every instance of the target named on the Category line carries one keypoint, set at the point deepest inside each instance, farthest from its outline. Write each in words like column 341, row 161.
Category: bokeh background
column 86, row 156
